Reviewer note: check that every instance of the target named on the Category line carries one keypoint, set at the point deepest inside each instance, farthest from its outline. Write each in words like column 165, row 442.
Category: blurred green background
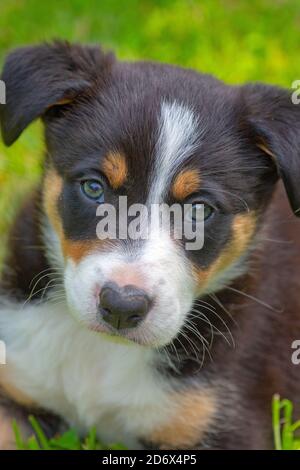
column 237, row 40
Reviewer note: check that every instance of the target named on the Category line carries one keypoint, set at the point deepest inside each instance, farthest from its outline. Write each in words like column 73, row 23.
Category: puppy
column 155, row 345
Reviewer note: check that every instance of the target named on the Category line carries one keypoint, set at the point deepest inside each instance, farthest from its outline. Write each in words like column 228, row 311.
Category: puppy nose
column 123, row 307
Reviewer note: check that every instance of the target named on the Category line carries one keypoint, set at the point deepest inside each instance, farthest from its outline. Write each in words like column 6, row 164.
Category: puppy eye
column 93, row 189
column 199, row 211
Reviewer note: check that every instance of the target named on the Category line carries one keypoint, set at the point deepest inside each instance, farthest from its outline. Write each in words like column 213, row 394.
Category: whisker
column 223, row 321
column 251, row 297
column 218, row 301
column 43, row 289
column 195, row 351
column 191, row 327
column 275, row 241
column 176, row 352
column 202, row 317
column 213, row 327
column 48, row 270
column 217, row 331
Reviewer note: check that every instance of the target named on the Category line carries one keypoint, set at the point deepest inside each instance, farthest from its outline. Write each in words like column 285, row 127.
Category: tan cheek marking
column 194, row 413
column 243, row 229
column 115, row 169
column 76, row 250
column 53, row 185
column 186, row 183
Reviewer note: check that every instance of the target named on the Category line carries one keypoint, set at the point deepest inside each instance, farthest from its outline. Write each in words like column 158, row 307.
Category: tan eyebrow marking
column 262, row 146
column 115, row 169
column 186, row 182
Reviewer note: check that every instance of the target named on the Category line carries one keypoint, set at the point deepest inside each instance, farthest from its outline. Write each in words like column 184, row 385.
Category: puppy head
column 155, row 134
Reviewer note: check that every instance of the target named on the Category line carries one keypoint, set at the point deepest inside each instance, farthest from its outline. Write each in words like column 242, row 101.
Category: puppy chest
column 89, row 380
column 86, row 379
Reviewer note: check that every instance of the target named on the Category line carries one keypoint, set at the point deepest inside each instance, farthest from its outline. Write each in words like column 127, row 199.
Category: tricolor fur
column 200, row 369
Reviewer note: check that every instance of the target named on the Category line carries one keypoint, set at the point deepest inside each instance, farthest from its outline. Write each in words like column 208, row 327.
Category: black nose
column 123, row 307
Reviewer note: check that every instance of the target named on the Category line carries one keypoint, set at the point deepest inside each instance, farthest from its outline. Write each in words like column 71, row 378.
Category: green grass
column 70, row 440
column 285, row 431
column 237, row 40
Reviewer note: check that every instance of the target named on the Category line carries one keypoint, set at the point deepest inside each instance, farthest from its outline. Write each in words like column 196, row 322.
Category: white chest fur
column 81, row 375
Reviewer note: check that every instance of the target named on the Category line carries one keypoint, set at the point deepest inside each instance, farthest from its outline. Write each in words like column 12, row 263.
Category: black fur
column 92, row 104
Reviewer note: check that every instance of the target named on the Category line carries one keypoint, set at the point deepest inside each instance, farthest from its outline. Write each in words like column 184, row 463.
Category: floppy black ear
column 275, row 121
column 40, row 77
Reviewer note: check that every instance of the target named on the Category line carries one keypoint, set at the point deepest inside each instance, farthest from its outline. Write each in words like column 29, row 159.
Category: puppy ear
column 275, row 121
column 40, row 77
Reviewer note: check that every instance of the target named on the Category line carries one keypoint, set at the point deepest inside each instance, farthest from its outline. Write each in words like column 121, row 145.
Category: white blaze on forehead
column 177, row 139
column 160, row 262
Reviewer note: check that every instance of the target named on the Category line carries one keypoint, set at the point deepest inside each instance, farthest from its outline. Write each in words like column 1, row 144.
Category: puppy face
column 155, row 134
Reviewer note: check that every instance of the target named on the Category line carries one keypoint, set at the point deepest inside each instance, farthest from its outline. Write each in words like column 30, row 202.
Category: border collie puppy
column 155, row 345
